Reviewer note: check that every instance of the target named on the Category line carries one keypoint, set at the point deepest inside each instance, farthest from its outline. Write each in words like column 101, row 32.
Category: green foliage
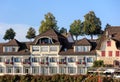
column 9, row 34
column 31, row 33
column 48, row 23
column 92, row 24
column 63, row 30
column 55, row 78
column 98, row 63
column 76, row 28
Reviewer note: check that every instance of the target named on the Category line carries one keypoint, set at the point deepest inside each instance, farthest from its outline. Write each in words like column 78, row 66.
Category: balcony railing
column 26, row 63
column 44, row 63
column 9, row 63
column 82, row 63
column 61, row 62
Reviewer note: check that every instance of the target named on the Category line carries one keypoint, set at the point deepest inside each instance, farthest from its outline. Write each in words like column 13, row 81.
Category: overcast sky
column 22, row 14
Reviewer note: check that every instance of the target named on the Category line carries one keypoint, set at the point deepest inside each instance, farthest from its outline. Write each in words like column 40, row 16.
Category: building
column 50, row 53
column 108, row 48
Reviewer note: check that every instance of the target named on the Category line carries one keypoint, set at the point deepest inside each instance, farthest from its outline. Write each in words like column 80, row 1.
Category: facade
column 108, row 48
column 50, row 53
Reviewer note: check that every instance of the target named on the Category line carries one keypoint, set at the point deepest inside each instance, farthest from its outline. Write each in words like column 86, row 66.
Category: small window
column 108, row 43
column 71, row 59
column 103, row 53
column 110, row 53
column 17, row 59
column 52, row 59
column 90, row 59
column 117, row 53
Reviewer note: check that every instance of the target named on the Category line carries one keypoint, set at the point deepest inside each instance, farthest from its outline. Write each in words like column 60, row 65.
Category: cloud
column 20, row 29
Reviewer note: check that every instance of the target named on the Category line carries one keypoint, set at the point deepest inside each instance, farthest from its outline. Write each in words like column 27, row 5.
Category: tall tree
column 48, row 23
column 31, row 33
column 9, row 34
column 63, row 30
column 76, row 28
column 92, row 24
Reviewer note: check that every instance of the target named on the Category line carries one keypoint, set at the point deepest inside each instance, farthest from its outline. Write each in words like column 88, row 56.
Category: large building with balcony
column 50, row 53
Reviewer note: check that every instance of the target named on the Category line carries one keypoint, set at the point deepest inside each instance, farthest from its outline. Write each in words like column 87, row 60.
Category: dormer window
column 45, row 41
column 10, row 49
column 82, row 48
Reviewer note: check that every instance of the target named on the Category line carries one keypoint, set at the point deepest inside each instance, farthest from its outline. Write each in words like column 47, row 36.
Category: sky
column 22, row 14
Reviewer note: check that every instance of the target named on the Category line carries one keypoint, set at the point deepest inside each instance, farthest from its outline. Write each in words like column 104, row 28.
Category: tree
column 92, row 24
column 9, row 34
column 48, row 23
column 76, row 28
column 98, row 63
column 63, row 30
column 31, row 33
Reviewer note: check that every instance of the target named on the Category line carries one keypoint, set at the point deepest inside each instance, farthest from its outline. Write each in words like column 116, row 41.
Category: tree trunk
column 76, row 38
column 91, row 37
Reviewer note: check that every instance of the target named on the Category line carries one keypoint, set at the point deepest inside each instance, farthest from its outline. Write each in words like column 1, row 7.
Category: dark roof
column 12, row 42
column 53, row 34
column 112, row 32
column 23, row 47
column 83, row 41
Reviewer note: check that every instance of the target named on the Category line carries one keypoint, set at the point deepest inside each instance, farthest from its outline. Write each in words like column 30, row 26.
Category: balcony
column 44, row 63
column 62, row 63
column 9, row 63
column 81, row 63
column 26, row 63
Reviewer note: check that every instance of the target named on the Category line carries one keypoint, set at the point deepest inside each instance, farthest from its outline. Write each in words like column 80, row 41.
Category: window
column 17, row 69
column 53, row 48
column 1, row 59
column 35, row 48
column 62, row 60
column 117, row 53
column 108, row 43
column 71, row 59
column 45, row 41
column 71, row 70
column 110, row 53
column 44, row 70
column 44, row 49
column 34, row 59
column 103, row 53
column 26, row 60
column 44, row 59
column 82, row 48
column 53, row 70
column 52, row 59
column 81, row 70
column 62, row 70
column 80, row 61
column 90, row 59
column 9, row 69
column 35, row 70
column 11, row 49
column 1, row 70
column 26, row 69
column 16, row 59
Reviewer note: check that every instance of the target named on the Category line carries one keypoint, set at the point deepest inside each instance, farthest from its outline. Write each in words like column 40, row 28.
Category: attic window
column 108, row 43
column 45, row 41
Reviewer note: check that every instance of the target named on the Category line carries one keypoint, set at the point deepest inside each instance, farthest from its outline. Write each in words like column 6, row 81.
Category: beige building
column 108, row 48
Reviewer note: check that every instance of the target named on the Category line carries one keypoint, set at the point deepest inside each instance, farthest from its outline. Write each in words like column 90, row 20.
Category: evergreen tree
column 31, row 33
column 9, row 34
column 48, row 23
